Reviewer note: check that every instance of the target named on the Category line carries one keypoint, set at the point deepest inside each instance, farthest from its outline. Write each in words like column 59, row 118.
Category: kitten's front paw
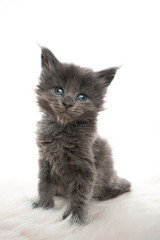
column 35, row 204
column 43, row 204
column 79, row 218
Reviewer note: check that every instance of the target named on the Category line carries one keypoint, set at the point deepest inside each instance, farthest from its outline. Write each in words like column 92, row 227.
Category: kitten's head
column 68, row 92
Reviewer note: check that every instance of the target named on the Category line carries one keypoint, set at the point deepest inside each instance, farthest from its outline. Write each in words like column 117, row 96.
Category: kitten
column 74, row 162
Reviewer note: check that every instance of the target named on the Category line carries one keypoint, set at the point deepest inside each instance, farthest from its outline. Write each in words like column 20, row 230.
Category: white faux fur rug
column 132, row 216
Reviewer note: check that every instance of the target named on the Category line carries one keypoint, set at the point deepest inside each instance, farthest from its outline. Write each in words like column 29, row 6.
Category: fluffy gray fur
column 74, row 162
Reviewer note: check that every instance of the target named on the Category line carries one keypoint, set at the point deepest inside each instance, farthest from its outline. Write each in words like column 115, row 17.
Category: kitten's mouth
column 64, row 117
column 64, row 113
column 61, row 111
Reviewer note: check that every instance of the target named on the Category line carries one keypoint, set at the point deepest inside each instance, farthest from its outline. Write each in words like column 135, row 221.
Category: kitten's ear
column 107, row 75
column 48, row 58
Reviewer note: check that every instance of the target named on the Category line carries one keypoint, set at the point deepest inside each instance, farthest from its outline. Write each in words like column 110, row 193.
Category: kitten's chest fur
column 62, row 148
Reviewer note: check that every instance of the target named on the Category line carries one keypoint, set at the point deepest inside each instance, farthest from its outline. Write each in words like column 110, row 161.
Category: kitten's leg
column 45, row 200
column 109, row 185
column 45, row 187
column 115, row 189
column 80, row 193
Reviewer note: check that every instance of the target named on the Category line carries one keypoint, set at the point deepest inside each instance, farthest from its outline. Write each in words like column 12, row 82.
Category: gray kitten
column 74, row 162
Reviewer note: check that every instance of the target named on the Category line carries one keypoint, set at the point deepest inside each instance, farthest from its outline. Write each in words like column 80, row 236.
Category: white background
column 96, row 34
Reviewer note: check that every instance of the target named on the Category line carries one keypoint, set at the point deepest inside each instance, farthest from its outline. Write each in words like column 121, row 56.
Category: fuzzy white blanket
column 132, row 216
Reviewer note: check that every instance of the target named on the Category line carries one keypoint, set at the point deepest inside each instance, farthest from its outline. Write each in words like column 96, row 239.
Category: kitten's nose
column 67, row 102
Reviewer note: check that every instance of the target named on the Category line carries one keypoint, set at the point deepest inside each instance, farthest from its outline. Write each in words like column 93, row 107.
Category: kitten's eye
column 82, row 97
column 58, row 91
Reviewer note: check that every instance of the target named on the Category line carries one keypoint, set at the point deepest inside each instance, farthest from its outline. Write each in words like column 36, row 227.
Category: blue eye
column 82, row 97
column 58, row 91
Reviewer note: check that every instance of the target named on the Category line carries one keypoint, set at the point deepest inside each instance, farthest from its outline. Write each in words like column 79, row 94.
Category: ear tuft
column 107, row 75
column 48, row 58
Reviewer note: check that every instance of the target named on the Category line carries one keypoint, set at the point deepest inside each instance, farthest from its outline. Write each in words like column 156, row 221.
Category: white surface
column 96, row 34
column 132, row 216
